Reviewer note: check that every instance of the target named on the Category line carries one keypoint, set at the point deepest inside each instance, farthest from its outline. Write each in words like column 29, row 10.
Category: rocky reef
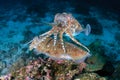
column 48, row 69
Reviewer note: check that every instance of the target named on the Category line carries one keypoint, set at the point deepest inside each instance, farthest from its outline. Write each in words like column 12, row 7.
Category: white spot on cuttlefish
column 66, row 56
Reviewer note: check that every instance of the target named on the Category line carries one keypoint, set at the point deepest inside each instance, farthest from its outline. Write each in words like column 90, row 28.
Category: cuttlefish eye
column 73, row 26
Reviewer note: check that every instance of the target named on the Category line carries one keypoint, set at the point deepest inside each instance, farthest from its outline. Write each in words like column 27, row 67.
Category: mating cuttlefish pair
column 58, row 49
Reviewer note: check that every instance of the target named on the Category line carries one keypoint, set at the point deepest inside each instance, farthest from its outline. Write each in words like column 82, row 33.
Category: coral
column 47, row 69
column 17, row 65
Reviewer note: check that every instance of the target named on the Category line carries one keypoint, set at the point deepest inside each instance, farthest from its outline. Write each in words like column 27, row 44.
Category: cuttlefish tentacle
column 43, row 37
column 62, row 42
column 44, row 34
column 73, row 39
column 55, row 38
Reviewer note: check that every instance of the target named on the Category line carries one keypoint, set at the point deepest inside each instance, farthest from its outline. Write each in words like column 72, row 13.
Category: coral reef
column 17, row 65
column 47, row 69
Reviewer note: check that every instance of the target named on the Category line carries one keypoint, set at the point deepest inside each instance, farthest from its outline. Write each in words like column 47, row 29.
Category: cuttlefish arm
column 62, row 42
column 44, row 34
column 73, row 39
column 37, row 40
column 55, row 38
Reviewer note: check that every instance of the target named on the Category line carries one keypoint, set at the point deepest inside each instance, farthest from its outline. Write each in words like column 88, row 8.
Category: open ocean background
column 19, row 18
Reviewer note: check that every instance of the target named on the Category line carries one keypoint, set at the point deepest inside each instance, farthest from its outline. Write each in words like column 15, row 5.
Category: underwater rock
column 97, row 60
column 89, row 76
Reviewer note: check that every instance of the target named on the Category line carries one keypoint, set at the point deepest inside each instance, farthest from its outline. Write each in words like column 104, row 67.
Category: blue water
column 19, row 24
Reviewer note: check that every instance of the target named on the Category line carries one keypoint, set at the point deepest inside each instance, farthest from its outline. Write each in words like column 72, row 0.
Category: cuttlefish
column 56, row 48
column 64, row 23
column 75, row 53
